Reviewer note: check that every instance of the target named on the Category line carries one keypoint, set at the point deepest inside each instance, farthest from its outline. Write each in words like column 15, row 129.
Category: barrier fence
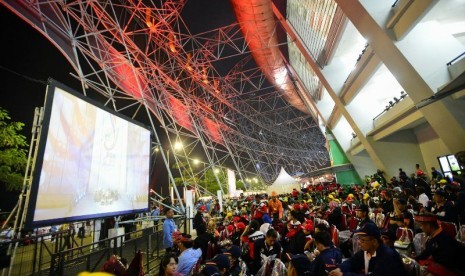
column 64, row 253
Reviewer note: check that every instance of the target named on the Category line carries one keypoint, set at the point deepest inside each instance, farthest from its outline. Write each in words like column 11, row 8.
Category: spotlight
column 391, row 103
column 396, row 99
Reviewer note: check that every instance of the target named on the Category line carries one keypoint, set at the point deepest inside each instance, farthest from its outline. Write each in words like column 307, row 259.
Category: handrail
column 395, row 3
column 391, row 104
column 455, row 59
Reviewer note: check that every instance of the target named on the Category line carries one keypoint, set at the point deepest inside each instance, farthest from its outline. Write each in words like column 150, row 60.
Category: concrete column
column 438, row 116
column 340, row 105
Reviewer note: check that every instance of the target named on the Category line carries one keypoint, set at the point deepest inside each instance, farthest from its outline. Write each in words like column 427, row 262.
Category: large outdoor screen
column 91, row 162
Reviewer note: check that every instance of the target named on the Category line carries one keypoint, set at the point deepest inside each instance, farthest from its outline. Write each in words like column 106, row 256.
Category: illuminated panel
column 213, row 130
column 180, row 113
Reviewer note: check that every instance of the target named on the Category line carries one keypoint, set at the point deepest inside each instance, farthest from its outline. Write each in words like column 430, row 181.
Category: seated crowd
column 379, row 228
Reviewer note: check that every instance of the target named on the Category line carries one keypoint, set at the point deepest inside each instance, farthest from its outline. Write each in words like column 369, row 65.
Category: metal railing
column 63, row 253
column 455, row 59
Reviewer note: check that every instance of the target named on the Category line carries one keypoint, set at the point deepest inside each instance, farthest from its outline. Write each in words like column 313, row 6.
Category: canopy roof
column 284, row 183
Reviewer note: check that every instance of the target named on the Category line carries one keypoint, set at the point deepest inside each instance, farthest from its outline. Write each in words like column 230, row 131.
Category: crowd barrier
column 64, row 253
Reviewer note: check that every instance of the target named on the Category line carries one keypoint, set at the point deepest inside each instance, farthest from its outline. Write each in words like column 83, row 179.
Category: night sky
column 33, row 60
column 28, row 59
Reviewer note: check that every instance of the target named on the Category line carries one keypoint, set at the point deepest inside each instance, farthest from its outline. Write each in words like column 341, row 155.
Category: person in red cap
column 236, row 236
column 226, row 233
column 308, row 229
column 295, row 193
column 259, row 209
column 443, row 255
column 348, row 206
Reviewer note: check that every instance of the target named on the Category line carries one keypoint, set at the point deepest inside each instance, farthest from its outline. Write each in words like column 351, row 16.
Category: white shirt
column 423, row 199
column 367, row 258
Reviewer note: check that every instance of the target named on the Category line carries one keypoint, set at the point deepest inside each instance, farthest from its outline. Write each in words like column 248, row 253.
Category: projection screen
column 92, row 162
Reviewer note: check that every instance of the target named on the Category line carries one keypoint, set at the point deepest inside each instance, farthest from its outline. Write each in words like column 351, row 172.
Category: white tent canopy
column 284, row 183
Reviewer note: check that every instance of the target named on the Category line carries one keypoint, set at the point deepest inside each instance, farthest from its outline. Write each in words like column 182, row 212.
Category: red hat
column 240, row 225
column 296, row 207
column 294, row 225
column 176, row 236
column 426, row 218
column 202, row 208
column 308, row 225
column 230, row 228
column 236, row 219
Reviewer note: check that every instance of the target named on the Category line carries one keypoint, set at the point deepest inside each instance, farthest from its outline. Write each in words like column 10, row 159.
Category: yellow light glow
column 196, row 161
column 178, row 146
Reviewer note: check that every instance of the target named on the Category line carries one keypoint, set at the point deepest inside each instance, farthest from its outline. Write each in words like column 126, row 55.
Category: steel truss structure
column 203, row 89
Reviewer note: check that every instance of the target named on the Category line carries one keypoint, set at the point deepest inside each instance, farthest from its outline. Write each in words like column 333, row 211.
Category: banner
column 220, row 199
column 189, row 200
column 231, row 183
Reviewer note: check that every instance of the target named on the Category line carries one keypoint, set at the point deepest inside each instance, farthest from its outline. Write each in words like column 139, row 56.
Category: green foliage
column 13, row 152
column 256, row 186
column 210, row 183
column 240, row 185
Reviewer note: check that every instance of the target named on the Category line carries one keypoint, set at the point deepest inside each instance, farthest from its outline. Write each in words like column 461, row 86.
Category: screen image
column 449, row 164
column 444, row 164
column 91, row 162
column 454, row 165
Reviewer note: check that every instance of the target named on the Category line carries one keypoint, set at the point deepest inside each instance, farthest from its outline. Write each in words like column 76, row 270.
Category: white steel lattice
column 203, row 89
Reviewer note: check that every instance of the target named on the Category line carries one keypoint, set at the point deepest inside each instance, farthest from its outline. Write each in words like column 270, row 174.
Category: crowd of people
column 384, row 227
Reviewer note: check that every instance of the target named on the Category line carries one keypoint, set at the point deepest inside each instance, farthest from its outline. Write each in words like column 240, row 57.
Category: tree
column 13, row 152
column 209, row 182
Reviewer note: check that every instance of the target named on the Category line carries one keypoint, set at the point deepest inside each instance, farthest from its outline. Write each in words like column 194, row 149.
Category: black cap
column 301, row 263
column 210, row 269
column 362, row 208
column 235, row 251
column 402, row 201
column 389, row 234
column 369, row 229
column 440, row 192
column 222, row 261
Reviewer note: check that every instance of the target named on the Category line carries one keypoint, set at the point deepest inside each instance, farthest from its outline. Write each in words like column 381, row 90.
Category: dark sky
column 28, row 59
column 26, row 52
